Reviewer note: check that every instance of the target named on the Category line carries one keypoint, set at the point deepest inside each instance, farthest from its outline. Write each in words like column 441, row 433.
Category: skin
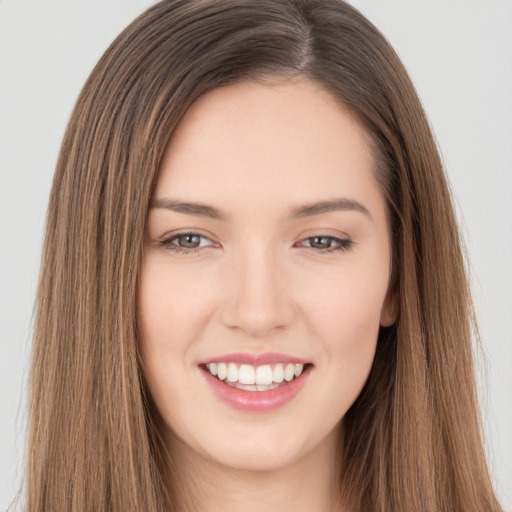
column 260, row 282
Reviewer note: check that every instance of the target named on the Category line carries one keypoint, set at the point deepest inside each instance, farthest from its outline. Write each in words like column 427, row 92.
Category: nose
column 258, row 301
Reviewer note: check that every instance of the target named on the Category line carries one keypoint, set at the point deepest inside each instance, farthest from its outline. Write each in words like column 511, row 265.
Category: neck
column 309, row 483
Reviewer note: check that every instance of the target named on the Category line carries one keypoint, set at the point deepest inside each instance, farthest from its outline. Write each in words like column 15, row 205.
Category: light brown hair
column 413, row 438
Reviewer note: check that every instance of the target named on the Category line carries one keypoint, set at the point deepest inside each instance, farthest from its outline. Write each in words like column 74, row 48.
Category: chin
column 260, row 448
column 255, row 458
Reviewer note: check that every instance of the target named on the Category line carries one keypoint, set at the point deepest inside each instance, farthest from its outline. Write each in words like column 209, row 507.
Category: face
column 267, row 263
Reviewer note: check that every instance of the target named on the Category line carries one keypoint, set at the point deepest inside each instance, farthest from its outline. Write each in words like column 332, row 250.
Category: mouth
column 255, row 378
column 253, row 387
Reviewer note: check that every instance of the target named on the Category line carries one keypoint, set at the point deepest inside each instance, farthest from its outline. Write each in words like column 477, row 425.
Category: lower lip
column 257, row 401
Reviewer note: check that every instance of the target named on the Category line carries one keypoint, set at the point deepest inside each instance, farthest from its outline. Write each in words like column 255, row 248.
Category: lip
column 256, row 401
column 255, row 359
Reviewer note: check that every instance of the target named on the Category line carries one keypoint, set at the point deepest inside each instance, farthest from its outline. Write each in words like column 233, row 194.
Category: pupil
column 321, row 242
column 190, row 241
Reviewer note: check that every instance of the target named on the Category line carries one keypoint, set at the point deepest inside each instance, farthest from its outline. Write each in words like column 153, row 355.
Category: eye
column 326, row 243
column 186, row 242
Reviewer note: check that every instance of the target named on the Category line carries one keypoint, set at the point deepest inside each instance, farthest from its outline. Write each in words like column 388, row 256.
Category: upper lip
column 256, row 359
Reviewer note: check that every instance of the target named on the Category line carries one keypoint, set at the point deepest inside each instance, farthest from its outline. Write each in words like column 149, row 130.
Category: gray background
column 459, row 53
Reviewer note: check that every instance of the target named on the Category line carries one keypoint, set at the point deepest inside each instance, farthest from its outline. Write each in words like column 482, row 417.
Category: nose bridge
column 258, row 301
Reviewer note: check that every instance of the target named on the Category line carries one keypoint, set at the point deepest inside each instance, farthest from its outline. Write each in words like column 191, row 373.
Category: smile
column 256, row 384
column 255, row 378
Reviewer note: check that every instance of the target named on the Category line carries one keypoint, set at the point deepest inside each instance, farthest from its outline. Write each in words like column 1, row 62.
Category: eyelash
column 343, row 244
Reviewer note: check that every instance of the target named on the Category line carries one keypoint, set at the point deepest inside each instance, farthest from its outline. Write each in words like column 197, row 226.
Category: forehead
column 287, row 142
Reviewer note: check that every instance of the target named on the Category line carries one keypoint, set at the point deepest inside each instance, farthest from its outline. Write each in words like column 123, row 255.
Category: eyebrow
column 300, row 212
column 198, row 209
column 328, row 206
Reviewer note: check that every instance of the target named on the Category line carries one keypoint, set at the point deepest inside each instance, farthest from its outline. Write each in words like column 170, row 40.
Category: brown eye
column 324, row 243
column 321, row 242
column 188, row 241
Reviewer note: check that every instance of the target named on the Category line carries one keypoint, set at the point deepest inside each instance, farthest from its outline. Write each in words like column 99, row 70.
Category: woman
column 252, row 290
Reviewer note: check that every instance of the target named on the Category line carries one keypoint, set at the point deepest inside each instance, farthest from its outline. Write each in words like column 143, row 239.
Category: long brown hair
column 412, row 438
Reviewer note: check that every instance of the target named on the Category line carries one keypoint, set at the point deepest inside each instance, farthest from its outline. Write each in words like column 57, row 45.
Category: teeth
column 222, row 371
column 261, row 387
column 232, row 372
column 278, row 375
column 253, row 387
column 213, row 368
column 289, row 372
column 246, row 374
column 264, row 375
column 255, row 378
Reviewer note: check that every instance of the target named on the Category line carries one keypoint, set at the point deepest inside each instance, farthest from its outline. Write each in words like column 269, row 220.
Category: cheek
column 173, row 306
column 346, row 319
column 172, row 310
column 350, row 303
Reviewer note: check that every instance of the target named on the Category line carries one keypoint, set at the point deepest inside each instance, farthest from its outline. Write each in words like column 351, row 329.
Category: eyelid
column 190, row 231
column 341, row 244
column 167, row 239
column 323, row 233
column 327, row 232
